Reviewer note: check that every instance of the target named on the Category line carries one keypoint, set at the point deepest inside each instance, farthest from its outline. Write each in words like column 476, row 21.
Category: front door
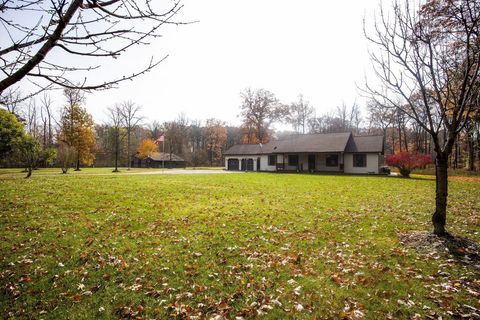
column 311, row 162
column 258, row 164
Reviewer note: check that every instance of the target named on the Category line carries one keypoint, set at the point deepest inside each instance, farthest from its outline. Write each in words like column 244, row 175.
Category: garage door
column 250, row 165
column 233, row 164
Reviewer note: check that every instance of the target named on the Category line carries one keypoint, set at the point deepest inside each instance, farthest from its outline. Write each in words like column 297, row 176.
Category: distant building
column 160, row 160
column 333, row 152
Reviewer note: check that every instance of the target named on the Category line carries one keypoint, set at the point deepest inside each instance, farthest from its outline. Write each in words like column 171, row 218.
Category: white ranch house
column 332, row 152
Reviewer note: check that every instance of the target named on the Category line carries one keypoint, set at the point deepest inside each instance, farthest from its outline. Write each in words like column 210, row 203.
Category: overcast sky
column 312, row 47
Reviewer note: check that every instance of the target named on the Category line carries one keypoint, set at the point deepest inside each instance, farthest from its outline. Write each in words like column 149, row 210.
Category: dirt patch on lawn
column 463, row 250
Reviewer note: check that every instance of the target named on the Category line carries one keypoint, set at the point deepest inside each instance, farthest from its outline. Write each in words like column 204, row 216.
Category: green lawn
column 89, row 171
column 92, row 171
column 237, row 245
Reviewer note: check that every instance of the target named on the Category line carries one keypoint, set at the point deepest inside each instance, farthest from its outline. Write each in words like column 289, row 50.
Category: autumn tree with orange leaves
column 147, row 148
column 216, row 135
column 259, row 109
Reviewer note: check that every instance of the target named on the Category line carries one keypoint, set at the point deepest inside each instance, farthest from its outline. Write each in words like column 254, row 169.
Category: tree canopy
column 11, row 132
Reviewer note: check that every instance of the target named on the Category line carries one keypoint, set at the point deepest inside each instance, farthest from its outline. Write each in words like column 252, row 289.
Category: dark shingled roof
column 329, row 142
column 163, row 156
column 311, row 143
column 245, row 149
column 365, row 144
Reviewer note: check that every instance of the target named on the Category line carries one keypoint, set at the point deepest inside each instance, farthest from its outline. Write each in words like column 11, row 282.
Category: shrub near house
column 407, row 161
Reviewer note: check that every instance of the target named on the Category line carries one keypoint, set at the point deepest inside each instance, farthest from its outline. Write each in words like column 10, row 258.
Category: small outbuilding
column 160, row 160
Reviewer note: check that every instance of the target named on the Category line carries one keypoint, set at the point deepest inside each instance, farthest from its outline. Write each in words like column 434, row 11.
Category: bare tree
column 32, row 117
column 11, row 100
column 115, row 118
column 176, row 133
column 382, row 116
column 300, row 112
column 355, row 118
column 86, row 31
column 155, row 129
column 130, row 120
column 46, row 102
column 428, row 58
column 341, row 113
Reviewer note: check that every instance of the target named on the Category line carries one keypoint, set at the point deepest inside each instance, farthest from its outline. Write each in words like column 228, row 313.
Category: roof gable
column 365, row 144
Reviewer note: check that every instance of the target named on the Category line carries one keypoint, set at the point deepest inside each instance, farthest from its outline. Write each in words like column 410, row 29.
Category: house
column 160, row 160
column 333, row 152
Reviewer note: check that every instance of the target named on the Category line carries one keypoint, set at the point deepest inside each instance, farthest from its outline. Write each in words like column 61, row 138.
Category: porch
column 309, row 162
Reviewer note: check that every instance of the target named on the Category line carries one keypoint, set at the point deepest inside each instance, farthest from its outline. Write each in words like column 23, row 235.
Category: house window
column 293, row 160
column 332, row 160
column 360, row 160
column 272, row 160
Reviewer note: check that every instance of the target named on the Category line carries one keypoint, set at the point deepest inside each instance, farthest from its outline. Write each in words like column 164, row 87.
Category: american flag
column 161, row 139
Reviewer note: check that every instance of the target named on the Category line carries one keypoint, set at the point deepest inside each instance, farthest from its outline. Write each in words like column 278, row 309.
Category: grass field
column 238, row 245
column 92, row 171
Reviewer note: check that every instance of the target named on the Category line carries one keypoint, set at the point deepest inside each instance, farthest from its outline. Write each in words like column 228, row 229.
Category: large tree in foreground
column 428, row 60
column 37, row 33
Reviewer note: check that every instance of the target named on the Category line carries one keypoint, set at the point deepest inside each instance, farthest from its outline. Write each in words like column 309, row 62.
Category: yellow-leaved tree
column 77, row 130
column 147, row 148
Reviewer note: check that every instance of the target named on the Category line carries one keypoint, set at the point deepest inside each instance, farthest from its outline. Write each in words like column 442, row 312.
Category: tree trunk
column 399, row 136
column 441, row 193
column 29, row 172
column 128, row 148
column 478, row 159
column 471, row 153
column 393, row 141
column 77, row 167
column 116, row 162
column 116, row 152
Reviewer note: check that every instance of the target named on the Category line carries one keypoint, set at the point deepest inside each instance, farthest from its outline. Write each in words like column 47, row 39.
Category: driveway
column 183, row 171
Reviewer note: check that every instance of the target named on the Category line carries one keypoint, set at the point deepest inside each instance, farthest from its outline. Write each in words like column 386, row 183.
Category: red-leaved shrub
column 407, row 161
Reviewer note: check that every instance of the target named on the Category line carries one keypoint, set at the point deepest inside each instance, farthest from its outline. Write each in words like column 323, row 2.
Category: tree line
column 70, row 137
column 260, row 109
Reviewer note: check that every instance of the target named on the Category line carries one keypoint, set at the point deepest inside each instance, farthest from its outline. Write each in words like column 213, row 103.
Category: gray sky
column 316, row 48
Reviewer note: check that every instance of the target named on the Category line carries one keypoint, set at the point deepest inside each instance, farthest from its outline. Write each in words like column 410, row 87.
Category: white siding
column 264, row 163
column 321, row 162
column 372, row 164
